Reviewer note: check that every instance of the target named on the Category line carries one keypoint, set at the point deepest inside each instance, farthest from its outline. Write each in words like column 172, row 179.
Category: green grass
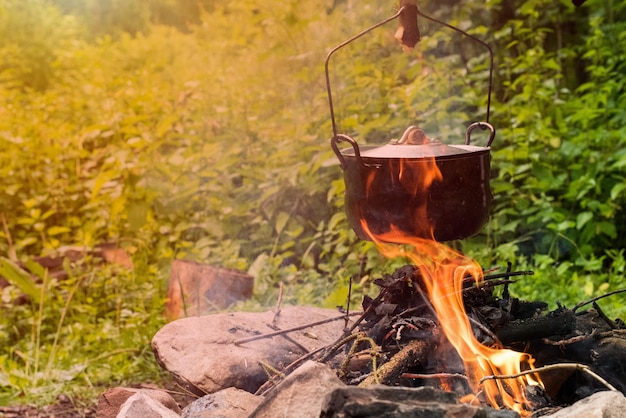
column 79, row 335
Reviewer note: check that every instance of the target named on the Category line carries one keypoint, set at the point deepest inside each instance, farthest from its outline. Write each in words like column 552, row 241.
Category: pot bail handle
column 345, row 138
column 483, row 126
column 407, row 11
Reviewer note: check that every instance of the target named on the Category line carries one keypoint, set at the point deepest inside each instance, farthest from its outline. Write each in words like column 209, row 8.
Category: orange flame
column 414, row 178
column 443, row 271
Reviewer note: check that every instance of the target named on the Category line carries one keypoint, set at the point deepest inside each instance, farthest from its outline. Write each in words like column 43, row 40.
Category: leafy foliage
column 204, row 134
column 559, row 200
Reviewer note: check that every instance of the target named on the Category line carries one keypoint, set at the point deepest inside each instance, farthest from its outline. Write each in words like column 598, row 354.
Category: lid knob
column 415, row 136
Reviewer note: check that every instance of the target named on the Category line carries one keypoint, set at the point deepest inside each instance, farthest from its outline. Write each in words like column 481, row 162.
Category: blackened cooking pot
column 415, row 186
column 421, row 187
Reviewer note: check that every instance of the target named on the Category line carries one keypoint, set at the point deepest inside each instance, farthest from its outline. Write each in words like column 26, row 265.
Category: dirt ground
column 63, row 408
column 66, row 407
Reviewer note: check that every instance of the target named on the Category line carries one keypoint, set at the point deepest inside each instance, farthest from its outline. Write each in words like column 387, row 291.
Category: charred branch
column 413, row 353
column 597, row 298
column 557, row 323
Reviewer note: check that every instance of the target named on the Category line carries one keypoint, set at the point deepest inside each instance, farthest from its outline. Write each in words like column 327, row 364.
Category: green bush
column 559, row 200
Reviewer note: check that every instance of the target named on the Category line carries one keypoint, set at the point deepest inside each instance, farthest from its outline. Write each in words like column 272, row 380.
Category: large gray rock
column 201, row 355
column 227, row 403
column 110, row 402
column 141, row 405
column 608, row 404
column 301, row 394
column 402, row 402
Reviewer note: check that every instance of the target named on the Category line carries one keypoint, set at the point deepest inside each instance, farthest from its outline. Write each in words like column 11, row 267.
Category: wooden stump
column 196, row 288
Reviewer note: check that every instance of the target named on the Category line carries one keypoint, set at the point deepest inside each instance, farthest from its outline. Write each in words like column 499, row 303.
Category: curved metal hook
column 482, row 126
column 345, row 138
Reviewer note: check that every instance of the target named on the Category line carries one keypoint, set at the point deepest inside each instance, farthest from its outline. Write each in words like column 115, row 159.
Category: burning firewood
column 397, row 340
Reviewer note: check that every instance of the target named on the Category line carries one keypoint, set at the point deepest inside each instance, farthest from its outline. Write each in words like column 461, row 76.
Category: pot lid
column 415, row 144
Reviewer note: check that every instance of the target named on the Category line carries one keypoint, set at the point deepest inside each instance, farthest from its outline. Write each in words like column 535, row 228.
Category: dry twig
column 603, row 316
column 288, row 338
column 433, row 376
column 374, row 353
column 567, row 341
column 273, row 375
column 294, row 364
column 487, row 331
column 411, row 354
column 270, row 370
column 288, row 330
column 467, row 280
column 576, row 366
column 581, row 304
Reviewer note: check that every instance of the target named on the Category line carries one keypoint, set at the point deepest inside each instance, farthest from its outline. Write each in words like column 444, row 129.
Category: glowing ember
column 443, row 271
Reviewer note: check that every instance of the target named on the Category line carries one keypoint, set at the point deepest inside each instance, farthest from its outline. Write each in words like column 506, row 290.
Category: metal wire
column 383, row 22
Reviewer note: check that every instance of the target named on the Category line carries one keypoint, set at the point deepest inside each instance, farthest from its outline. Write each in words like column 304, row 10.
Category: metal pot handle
column 345, row 138
column 411, row 9
column 483, row 126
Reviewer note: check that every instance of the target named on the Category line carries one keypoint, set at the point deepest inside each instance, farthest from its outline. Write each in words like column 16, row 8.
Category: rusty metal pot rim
column 376, row 154
column 416, row 152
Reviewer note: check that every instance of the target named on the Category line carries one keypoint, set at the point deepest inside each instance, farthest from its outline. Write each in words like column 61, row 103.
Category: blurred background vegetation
column 200, row 130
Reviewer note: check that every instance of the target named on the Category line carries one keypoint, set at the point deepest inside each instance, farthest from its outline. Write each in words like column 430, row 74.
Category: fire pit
column 399, row 340
column 407, row 331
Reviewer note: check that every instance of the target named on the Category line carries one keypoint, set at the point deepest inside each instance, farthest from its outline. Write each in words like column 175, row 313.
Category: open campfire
column 540, row 360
